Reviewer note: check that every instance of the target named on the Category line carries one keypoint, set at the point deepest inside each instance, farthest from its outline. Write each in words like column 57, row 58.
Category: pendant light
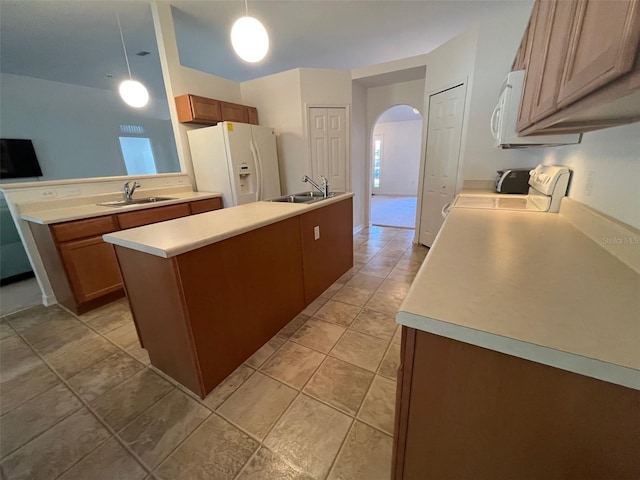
column 249, row 38
column 133, row 93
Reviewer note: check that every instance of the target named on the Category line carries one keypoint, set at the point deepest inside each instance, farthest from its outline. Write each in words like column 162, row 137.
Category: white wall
column 359, row 178
column 75, row 129
column 180, row 80
column 278, row 99
column 400, row 160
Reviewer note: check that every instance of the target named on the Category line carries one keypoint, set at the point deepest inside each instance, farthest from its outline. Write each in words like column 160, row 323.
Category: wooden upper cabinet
column 253, row 115
column 201, row 110
column 550, row 42
column 234, row 112
column 604, row 44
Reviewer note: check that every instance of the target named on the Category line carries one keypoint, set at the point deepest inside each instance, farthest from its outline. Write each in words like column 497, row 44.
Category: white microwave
column 505, row 117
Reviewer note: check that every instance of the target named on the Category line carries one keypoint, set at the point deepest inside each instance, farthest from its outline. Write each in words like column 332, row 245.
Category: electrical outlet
column 316, row 232
column 48, row 193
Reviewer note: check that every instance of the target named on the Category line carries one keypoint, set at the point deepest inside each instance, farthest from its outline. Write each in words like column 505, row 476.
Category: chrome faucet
column 128, row 191
column 324, row 189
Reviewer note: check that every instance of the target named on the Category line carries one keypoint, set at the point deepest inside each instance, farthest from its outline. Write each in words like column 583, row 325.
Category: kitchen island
column 207, row 291
column 521, row 349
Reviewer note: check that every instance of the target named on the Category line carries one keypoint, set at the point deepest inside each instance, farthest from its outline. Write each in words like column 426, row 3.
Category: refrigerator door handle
column 256, row 159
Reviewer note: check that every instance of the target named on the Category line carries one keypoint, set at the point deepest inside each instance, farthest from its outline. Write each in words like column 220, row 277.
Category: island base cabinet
column 202, row 313
column 463, row 411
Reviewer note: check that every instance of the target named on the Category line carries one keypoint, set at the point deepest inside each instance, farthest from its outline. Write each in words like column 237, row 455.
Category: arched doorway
column 395, row 164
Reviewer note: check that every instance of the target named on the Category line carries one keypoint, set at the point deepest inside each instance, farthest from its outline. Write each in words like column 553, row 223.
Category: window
column 136, row 151
column 377, row 156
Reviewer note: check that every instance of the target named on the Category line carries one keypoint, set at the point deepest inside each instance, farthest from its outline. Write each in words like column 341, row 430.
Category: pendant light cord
column 123, row 47
column 246, row 7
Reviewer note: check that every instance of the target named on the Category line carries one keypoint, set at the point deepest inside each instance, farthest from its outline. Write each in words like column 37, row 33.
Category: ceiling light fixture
column 249, row 38
column 133, row 93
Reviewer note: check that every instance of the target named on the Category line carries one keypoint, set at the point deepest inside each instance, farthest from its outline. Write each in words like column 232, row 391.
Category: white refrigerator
column 236, row 159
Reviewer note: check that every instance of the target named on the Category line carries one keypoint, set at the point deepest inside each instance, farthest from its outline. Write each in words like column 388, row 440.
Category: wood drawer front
column 153, row 215
column 90, row 227
column 207, row 205
column 233, row 112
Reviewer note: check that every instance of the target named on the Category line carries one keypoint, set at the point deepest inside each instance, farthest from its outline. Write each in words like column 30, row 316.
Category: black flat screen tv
column 18, row 159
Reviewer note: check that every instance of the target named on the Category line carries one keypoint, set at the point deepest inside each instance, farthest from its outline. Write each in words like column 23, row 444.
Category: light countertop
column 534, row 286
column 174, row 237
column 80, row 208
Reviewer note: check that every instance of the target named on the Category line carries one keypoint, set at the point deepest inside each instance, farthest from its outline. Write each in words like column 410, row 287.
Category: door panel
column 264, row 140
column 328, row 140
column 446, row 111
column 238, row 143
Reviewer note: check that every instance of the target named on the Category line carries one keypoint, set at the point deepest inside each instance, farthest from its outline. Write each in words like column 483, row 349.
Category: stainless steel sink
column 303, row 197
column 134, row 201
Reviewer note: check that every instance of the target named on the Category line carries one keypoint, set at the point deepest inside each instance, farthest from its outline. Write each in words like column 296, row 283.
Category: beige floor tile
column 23, row 375
column 123, row 403
column 400, row 275
column 397, row 337
column 338, row 313
column 267, row 465
column 309, row 435
column 376, row 268
column 161, row 428
column 349, row 274
column 362, row 280
column 57, row 449
column 409, row 265
column 37, row 315
column 314, row 306
column 340, row 384
column 360, row 349
column 329, row 292
column 379, row 405
column 70, row 361
column 268, row 349
column 376, row 324
column 107, row 462
column 366, row 455
column 216, row 450
column 293, row 364
column 124, row 336
column 6, row 330
column 353, row 295
column 394, row 288
column 139, row 353
column 227, row 387
column 35, row 416
column 257, row 404
column 61, row 334
column 109, row 317
column 381, row 302
column 391, row 362
column 293, row 326
column 104, row 375
column 318, row 335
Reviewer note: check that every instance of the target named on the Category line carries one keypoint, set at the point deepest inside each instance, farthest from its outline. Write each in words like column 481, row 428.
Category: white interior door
column 444, row 132
column 328, row 137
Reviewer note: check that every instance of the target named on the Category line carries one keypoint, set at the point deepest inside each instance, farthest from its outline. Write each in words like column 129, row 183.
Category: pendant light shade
column 249, row 38
column 134, row 93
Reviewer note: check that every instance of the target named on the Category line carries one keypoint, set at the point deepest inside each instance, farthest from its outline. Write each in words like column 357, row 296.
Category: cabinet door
column 207, row 205
column 559, row 17
column 153, row 215
column 202, row 110
column 604, row 42
column 232, row 112
column 253, row 115
column 92, row 268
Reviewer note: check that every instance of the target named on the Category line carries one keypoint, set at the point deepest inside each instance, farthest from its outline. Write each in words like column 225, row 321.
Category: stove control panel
column 545, row 179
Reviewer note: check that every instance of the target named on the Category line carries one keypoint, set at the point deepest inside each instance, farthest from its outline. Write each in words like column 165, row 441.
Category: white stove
column 547, row 185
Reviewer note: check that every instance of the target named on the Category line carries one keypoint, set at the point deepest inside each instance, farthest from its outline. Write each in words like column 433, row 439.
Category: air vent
column 132, row 129
column 143, row 53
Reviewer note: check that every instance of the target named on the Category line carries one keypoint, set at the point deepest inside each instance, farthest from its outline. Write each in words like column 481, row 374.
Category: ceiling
column 78, row 41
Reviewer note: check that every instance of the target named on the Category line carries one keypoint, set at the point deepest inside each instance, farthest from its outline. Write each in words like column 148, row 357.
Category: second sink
column 134, row 201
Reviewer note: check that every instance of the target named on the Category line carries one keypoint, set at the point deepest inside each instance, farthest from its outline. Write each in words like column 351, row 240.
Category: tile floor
column 78, row 399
